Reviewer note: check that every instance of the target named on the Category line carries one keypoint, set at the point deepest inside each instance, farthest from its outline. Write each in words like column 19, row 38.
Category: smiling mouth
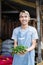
column 24, row 21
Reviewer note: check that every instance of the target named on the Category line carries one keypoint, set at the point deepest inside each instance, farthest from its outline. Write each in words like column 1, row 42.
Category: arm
column 15, row 43
column 33, row 46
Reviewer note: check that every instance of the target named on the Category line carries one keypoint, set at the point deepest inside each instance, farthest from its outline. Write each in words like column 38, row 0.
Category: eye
column 25, row 16
column 21, row 16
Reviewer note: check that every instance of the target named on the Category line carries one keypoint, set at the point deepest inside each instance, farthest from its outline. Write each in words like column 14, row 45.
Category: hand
column 27, row 50
column 22, row 52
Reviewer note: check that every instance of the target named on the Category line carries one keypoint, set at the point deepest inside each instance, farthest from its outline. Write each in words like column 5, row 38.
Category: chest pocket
column 21, row 39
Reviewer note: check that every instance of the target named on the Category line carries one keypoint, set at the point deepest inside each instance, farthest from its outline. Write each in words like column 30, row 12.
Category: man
column 25, row 35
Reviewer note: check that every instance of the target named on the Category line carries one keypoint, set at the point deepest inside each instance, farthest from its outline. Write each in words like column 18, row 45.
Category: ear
column 29, row 18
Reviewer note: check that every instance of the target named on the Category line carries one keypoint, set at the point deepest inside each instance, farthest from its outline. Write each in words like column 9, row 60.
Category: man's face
column 24, row 18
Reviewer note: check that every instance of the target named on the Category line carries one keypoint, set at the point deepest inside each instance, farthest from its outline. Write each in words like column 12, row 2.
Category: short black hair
column 24, row 11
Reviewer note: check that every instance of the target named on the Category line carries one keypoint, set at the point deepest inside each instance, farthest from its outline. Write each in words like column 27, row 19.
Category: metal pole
column 39, row 31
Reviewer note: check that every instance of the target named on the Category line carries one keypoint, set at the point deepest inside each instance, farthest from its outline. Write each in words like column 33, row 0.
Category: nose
column 24, row 18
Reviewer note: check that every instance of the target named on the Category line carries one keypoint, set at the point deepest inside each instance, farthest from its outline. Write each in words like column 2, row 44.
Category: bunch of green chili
column 19, row 49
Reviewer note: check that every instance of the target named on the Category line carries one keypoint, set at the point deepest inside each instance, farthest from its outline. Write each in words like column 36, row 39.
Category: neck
column 24, row 26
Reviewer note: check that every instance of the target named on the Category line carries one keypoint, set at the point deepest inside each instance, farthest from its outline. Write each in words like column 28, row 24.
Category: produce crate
column 4, row 60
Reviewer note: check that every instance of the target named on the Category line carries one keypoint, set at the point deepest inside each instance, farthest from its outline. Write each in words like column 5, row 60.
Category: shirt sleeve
column 14, row 35
column 34, row 34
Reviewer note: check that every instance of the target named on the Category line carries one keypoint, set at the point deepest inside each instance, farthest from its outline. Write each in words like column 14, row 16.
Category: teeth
column 24, row 21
